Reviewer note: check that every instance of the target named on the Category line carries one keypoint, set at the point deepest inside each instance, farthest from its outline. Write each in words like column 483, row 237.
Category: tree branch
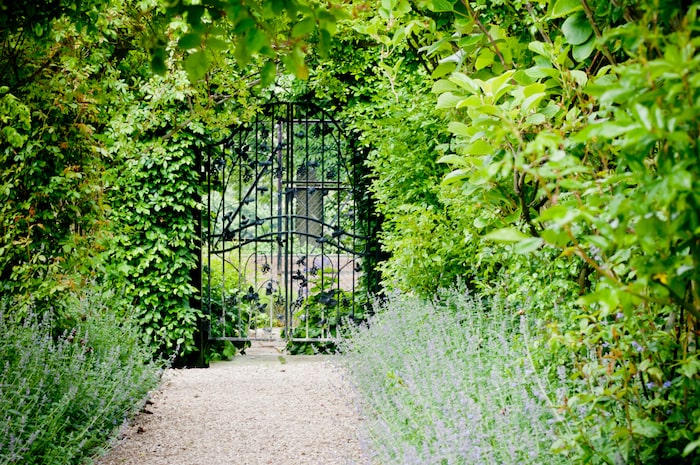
column 524, row 207
column 531, row 10
column 421, row 57
column 594, row 25
column 485, row 31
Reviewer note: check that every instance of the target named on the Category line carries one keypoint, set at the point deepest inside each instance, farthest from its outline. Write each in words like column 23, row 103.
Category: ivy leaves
column 15, row 119
column 155, row 236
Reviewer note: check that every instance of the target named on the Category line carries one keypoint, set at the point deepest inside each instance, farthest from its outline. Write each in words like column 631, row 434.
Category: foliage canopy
column 547, row 149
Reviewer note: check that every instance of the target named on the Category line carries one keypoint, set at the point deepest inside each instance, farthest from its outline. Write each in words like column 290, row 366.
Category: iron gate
column 283, row 237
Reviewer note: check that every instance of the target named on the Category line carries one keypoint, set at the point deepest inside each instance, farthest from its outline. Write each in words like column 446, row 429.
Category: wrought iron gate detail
column 282, row 237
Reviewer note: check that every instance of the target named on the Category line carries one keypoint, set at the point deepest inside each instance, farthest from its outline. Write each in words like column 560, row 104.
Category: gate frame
column 357, row 185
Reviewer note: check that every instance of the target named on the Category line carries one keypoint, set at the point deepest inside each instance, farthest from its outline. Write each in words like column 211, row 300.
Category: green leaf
column 690, row 368
column 244, row 25
column 559, row 214
column 605, row 129
column 452, row 159
column 583, row 51
column 471, row 101
column 304, row 27
column 647, row 428
column 493, row 110
column 540, row 72
column 577, row 29
column 443, row 69
column 294, row 61
column 439, row 6
column 277, row 6
column 643, row 115
column 14, row 138
column 556, row 237
column 189, row 41
column 563, row 8
column 455, row 176
column 465, row 82
column 328, row 22
column 255, row 40
column 197, row 65
column 498, row 85
column 538, row 47
column 448, row 100
column 531, row 102
column 579, row 76
column 443, row 85
column 608, row 300
column 268, row 74
column 468, row 42
column 691, row 447
column 529, row 245
column 461, row 129
column 217, row 44
column 478, row 147
column 535, row 119
column 506, row 235
column 480, row 222
column 484, row 59
column 532, row 89
column 324, row 43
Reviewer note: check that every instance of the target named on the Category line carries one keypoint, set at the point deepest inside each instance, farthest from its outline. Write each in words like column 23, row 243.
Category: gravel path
column 262, row 408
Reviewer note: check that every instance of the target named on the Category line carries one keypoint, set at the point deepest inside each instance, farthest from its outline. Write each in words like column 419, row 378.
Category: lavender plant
column 61, row 397
column 448, row 382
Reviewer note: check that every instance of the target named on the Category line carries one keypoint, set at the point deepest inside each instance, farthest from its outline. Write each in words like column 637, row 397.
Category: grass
column 448, row 382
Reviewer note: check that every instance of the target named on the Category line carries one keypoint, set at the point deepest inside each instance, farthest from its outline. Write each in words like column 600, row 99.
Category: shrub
column 221, row 303
column 61, row 397
column 447, row 382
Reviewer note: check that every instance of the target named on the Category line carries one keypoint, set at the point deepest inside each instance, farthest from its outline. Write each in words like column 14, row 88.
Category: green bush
column 222, row 291
column 62, row 396
column 417, row 232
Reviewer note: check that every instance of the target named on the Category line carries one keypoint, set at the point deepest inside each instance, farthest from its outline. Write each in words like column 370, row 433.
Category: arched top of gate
column 296, row 111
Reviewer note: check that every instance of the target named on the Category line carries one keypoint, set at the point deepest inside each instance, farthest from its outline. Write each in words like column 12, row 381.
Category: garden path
column 261, row 408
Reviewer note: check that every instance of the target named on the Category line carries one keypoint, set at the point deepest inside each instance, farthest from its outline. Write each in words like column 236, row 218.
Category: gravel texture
column 261, row 408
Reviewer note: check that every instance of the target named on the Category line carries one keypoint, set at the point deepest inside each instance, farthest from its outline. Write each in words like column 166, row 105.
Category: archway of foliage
column 99, row 195
column 543, row 149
